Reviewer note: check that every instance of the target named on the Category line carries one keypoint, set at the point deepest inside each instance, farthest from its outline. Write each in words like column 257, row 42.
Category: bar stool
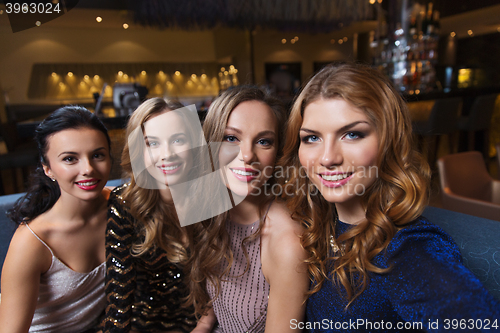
column 442, row 121
column 479, row 119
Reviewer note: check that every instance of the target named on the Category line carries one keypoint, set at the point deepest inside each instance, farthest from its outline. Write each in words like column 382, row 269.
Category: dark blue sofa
column 478, row 239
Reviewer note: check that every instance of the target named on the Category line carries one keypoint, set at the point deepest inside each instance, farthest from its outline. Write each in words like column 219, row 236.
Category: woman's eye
column 98, row 155
column 265, row 142
column 354, row 135
column 151, row 143
column 69, row 159
column 230, row 138
column 179, row 141
column 310, row 139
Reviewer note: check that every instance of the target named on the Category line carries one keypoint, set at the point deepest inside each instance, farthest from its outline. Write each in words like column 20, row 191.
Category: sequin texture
column 144, row 293
column 427, row 283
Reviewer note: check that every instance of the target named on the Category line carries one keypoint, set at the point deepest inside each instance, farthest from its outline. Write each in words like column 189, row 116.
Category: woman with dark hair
column 53, row 275
column 246, row 269
column 146, row 247
column 373, row 259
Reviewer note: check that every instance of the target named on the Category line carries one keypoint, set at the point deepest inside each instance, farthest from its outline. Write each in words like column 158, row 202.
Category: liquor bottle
column 430, row 21
column 437, row 25
column 412, row 32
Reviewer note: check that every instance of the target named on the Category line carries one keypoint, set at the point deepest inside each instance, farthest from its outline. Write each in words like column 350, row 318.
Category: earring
column 53, row 179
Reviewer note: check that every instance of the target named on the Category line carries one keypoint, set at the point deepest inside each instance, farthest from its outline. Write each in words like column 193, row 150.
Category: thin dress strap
column 48, row 247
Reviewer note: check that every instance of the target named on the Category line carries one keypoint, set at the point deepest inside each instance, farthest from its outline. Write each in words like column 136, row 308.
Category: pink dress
column 242, row 303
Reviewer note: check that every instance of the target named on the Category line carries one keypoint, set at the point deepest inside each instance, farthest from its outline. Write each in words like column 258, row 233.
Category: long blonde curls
column 397, row 197
column 157, row 221
column 212, row 243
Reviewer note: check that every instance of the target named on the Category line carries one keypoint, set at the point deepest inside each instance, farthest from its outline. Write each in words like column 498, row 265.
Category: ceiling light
column 98, row 19
column 38, row 23
column 453, row 34
column 470, row 32
column 143, row 73
column 70, row 74
column 341, row 41
column 345, row 39
column 332, row 41
column 283, row 41
column 125, row 26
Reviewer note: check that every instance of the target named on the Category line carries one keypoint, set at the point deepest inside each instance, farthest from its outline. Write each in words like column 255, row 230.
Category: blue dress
column 427, row 289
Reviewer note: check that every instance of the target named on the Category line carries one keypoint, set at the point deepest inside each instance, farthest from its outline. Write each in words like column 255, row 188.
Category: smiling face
column 167, row 155
column 339, row 149
column 249, row 148
column 79, row 160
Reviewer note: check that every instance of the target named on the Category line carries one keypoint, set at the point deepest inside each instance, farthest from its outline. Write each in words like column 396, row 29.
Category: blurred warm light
column 226, row 73
column 292, row 41
column 341, row 41
column 372, row 2
column 283, row 41
column 54, row 74
column 332, row 41
column 470, row 32
column 70, row 74
column 143, row 73
column 96, row 77
column 379, row 1
column 453, row 34
column 161, row 73
column 417, row 91
column 464, row 77
column 38, row 23
column 498, row 29
column 98, row 19
column 1, row 11
column 177, row 73
column 203, row 76
column 86, row 77
column 345, row 39
column 125, row 26
column 120, row 73
column 296, row 38
column 193, row 76
column 223, row 69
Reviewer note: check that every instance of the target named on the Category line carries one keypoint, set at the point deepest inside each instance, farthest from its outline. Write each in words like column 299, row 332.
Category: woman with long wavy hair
column 247, row 271
column 146, row 247
column 373, row 259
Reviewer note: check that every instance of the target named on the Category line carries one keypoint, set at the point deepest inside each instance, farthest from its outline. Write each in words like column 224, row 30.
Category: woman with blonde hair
column 247, row 270
column 146, row 247
column 373, row 259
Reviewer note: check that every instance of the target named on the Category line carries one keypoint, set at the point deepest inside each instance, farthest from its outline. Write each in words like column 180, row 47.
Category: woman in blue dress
column 376, row 264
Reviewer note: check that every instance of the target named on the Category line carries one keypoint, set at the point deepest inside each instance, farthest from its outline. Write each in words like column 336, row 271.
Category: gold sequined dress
column 143, row 293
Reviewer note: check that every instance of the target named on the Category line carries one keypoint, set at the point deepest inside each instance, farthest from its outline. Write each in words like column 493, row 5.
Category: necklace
column 333, row 243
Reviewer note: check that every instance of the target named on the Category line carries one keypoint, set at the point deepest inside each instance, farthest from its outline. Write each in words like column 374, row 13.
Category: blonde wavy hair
column 212, row 243
column 156, row 220
column 397, row 197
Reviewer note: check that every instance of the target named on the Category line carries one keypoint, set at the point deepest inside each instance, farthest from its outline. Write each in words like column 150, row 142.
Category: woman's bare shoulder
column 279, row 219
column 27, row 249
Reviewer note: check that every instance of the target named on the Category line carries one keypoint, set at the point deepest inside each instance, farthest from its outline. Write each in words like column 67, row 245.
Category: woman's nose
column 332, row 155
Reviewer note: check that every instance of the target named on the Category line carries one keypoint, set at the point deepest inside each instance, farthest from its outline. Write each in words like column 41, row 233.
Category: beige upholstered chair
column 498, row 160
column 467, row 187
